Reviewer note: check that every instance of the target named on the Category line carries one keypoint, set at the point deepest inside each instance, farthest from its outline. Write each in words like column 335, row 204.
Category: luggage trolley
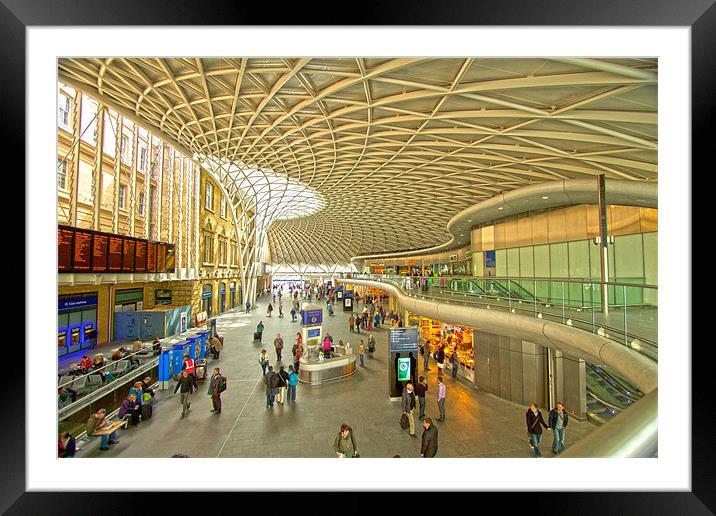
column 200, row 369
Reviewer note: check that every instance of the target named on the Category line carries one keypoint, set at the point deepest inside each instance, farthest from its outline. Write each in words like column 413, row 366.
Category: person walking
column 345, row 444
column 269, row 309
column 351, row 323
column 292, row 384
column 271, row 380
column 293, row 314
column 264, row 361
column 421, row 390
column 429, row 446
column 217, row 385
column 371, row 346
column 284, row 378
column 297, row 354
column 216, row 346
column 558, row 420
column 190, row 368
column 454, row 363
column 248, row 306
column 280, row 310
column 260, row 330
column 278, row 344
column 187, row 387
column 361, row 353
column 442, row 392
column 357, row 321
column 408, row 403
column 535, row 422
column 440, row 358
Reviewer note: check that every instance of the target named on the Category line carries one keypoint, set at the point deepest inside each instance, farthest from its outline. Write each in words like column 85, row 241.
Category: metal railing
column 630, row 319
column 631, row 433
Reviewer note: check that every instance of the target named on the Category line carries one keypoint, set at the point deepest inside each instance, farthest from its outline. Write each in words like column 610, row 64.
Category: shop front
column 207, row 297
column 456, row 339
column 76, row 322
column 222, row 297
column 127, row 300
column 232, row 295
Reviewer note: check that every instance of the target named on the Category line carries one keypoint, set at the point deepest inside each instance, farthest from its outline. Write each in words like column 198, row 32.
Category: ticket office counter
column 315, row 371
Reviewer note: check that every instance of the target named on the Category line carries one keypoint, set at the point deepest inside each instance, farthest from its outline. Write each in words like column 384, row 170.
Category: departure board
column 114, row 255
column 82, row 255
column 83, row 250
column 99, row 252
column 169, row 265
column 152, row 257
column 64, row 249
column 161, row 256
column 128, row 255
column 140, row 256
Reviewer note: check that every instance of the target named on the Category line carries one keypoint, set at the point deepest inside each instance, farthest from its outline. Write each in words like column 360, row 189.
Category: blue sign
column 76, row 302
column 403, row 340
column 315, row 332
column 490, row 259
column 312, row 317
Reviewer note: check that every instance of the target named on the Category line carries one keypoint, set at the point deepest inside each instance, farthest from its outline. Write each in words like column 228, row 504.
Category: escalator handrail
column 626, row 388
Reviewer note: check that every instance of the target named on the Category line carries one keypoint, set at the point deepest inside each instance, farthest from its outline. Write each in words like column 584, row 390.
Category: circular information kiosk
column 317, row 365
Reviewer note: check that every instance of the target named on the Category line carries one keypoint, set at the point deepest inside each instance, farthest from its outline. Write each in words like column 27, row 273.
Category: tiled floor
column 478, row 424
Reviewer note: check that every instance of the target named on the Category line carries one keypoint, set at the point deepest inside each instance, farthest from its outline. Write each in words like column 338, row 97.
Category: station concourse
column 503, row 210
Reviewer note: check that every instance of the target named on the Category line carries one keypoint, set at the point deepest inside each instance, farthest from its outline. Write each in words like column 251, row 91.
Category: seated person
column 85, row 364
column 98, row 421
column 146, row 386
column 100, row 362
column 67, row 446
column 137, row 345
column 130, row 407
column 65, row 396
column 157, row 347
column 117, row 355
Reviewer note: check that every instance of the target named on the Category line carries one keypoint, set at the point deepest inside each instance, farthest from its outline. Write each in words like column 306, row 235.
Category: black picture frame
column 700, row 15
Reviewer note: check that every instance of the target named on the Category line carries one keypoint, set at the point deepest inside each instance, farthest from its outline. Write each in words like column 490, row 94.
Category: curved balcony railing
column 633, row 432
column 631, row 317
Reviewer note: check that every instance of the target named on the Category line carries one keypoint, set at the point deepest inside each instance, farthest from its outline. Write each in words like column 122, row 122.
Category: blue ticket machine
column 193, row 351
column 203, row 336
column 165, row 375
column 177, row 358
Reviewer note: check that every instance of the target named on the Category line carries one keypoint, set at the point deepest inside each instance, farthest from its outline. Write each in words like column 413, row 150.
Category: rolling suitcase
column 257, row 337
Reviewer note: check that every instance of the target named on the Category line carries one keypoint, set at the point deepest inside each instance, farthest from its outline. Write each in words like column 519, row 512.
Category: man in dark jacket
column 558, row 420
column 430, row 439
column 535, row 422
column 214, row 392
column 271, row 380
column 409, row 407
column 420, row 390
column 187, row 387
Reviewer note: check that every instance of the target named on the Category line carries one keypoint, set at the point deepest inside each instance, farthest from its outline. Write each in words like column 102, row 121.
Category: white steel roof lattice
column 354, row 156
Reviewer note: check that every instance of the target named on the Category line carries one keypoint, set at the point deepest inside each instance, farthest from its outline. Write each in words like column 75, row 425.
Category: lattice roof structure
column 385, row 150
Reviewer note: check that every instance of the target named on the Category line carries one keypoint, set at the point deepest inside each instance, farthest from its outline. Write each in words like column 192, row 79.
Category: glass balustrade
column 624, row 312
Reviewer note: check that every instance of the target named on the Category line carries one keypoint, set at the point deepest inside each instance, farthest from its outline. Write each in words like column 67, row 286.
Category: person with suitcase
column 259, row 331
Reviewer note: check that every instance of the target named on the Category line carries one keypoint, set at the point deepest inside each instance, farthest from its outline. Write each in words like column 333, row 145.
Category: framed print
column 334, row 150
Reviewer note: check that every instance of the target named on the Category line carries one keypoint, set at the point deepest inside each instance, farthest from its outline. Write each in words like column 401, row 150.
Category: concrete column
column 572, row 385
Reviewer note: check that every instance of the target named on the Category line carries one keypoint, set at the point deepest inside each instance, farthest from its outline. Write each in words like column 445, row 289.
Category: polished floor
column 477, row 424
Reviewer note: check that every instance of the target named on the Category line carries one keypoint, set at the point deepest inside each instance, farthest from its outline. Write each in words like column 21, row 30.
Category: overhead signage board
column 312, row 317
column 403, row 340
column 84, row 250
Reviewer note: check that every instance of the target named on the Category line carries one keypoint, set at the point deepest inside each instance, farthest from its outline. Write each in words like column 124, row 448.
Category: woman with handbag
column 264, row 361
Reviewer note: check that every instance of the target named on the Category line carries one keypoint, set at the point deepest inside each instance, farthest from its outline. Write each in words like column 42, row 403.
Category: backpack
column 281, row 381
column 221, row 386
column 274, row 380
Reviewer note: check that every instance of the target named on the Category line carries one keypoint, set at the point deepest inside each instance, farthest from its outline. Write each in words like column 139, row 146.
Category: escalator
column 607, row 394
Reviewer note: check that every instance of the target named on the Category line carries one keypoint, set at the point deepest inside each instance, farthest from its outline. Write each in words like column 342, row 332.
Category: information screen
column 99, row 252
column 128, row 255
column 64, row 249
column 152, row 257
column 161, row 256
column 83, row 251
column 140, row 256
column 114, row 256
